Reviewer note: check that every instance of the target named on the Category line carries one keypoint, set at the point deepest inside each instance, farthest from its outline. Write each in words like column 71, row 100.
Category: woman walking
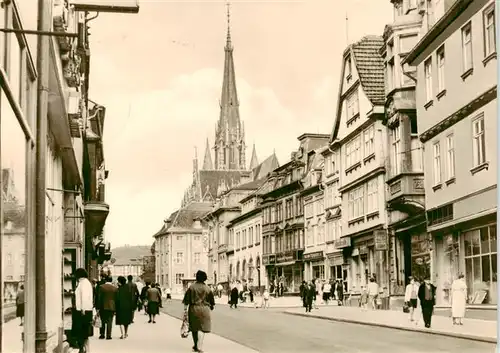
column 458, row 300
column 20, row 305
column 124, row 306
column 82, row 313
column 198, row 303
column 153, row 307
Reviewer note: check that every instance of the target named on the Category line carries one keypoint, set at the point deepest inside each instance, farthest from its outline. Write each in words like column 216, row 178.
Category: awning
column 95, row 217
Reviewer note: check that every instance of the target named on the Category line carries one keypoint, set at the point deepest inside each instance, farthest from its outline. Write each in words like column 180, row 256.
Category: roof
column 130, row 254
column 210, row 179
column 370, row 66
column 185, row 217
column 252, row 185
column 267, row 166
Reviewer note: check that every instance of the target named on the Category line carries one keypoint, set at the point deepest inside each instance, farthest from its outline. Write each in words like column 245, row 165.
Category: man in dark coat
column 106, row 305
column 144, row 292
column 309, row 295
column 427, row 296
column 135, row 294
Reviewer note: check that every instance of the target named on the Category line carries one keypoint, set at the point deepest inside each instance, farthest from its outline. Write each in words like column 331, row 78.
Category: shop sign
column 343, row 243
column 381, row 240
column 286, row 256
column 363, row 249
column 268, row 260
column 317, row 255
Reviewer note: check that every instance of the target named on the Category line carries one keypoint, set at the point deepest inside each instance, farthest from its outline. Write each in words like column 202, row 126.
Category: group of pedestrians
column 97, row 305
column 316, row 290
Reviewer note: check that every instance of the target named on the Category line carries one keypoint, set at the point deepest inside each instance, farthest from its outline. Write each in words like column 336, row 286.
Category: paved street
column 271, row 331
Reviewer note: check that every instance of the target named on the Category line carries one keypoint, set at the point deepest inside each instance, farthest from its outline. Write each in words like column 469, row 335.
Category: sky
column 159, row 75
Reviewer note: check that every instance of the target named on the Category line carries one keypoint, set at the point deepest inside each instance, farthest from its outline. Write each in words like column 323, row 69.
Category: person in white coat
column 458, row 299
column 411, row 296
column 84, row 304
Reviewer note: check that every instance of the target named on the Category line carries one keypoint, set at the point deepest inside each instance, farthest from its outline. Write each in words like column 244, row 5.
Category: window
column 320, row 206
column 450, row 157
column 396, row 150
column 428, row 79
column 352, row 104
column 479, row 141
column 372, row 196
column 334, row 163
column 197, row 258
column 178, row 278
column 309, row 210
column 321, row 233
column 440, row 64
column 348, row 68
column 179, row 237
column 353, row 151
column 244, row 238
column 238, row 240
column 251, row 238
column 356, row 200
column 369, row 141
column 437, row 163
column 179, row 259
column 489, row 31
column 197, row 238
column 299, row 206
column 289, row 208
column 467, row 47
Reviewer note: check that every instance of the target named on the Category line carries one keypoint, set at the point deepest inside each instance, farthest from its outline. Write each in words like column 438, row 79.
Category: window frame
column 441, row 62
column 437, row 163
column 356, row 199
column 352, row 104
column 487, row 50
column 396, row 148
column 478, row 141
column 467, row 28
column 372, row 195
column 369, row 141
column 428, row 79
column 450, row 156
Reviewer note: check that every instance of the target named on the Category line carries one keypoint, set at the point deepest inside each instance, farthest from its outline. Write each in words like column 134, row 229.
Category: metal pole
column 43, row 57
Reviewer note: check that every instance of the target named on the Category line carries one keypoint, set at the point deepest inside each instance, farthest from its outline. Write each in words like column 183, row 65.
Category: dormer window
column 348, row 69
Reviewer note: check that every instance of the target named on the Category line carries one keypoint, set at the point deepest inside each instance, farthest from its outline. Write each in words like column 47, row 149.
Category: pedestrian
column 124, row 306
column 82, row 315
column 157, row 285
column 373, row 293
column 198, row 303
column 326, row 292
column 107, row 306
column 20, row 304
column 265, row 298
column 134, row 291
column 233, row 302
column 219, row 290
column 154, row 298
column 427, row 296
column 310, row 296
column 144, row 298
column 411, row 295
column 168, row 292
column 458, row 300
column 363, row 301
column 340, row 292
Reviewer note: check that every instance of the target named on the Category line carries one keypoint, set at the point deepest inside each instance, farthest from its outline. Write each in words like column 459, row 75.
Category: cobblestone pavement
column 272, row 331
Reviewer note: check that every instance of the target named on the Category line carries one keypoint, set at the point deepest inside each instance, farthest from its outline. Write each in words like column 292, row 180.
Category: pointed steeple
column 229, row 135
column 254, row 162
column 207, row 161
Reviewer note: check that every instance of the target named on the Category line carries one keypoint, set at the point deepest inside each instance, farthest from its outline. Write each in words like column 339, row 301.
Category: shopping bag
column 406, row 308
column 97, row 321
column 185, row 326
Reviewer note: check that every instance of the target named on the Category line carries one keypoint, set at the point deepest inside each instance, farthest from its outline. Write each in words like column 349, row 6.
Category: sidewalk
column 473, row 329
column 162, row 337
column 11, row 337
column 281, row 302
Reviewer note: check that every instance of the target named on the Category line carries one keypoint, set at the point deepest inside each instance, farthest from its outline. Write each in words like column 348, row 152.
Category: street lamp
column 105, row 6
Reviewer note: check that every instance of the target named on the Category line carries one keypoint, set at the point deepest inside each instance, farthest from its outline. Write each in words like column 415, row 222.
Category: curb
column 9, row 317
column 394, row 327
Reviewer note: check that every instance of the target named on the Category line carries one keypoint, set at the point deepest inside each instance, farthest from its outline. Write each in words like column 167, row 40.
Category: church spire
column 254, row 162
column 229, row 136
column 207, row 161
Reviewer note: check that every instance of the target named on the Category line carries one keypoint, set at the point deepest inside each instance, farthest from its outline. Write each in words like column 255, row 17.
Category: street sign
column 381, row 240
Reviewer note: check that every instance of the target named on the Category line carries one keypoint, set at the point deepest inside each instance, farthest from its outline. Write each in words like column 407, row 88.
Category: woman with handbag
column 198, row 302
column 83, row 310
column 411, row 295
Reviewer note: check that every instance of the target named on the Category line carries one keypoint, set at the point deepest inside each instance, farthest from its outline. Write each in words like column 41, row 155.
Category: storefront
column 289, row 270
column 337, row 268
column 472, row 252
column 314, row 265
column 269, row 262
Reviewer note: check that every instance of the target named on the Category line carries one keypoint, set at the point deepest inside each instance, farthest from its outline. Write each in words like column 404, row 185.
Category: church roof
column 254, row 161
column 210, row 180
column 370, row 66
column 267, row 166
column 207, row 160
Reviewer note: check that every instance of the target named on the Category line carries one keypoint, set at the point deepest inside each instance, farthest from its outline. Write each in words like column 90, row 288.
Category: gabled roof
column 267, row 166
column 210, row 179
column 184, row 218
column 370, row 67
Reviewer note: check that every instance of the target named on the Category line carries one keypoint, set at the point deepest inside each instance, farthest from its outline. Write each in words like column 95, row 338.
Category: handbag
column 406, row 308
column 185, row 326
column 96, row 322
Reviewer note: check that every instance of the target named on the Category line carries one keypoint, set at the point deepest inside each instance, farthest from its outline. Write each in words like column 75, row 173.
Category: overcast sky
column 159, row 74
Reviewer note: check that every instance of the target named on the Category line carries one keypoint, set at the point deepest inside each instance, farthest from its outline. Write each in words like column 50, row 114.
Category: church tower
column 229, row 143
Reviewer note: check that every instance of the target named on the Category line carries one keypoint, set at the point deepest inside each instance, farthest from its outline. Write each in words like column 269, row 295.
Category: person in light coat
column 82, row 314
column 458, row 299
column 411, row 296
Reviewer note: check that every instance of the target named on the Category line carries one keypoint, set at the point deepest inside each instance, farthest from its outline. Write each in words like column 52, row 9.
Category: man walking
column 427, row 296
column 106, row 304
column 135, row 294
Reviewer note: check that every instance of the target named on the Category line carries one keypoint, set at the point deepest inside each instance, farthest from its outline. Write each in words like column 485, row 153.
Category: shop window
column 481, row 265
column 420, row 257
column 319, row 272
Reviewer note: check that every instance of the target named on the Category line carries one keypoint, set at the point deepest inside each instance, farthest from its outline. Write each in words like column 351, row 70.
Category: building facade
column 357, row 130
column 181, row 247
column 283, row 217
column 315, row 266
column 457, row 118
column 409, row 244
